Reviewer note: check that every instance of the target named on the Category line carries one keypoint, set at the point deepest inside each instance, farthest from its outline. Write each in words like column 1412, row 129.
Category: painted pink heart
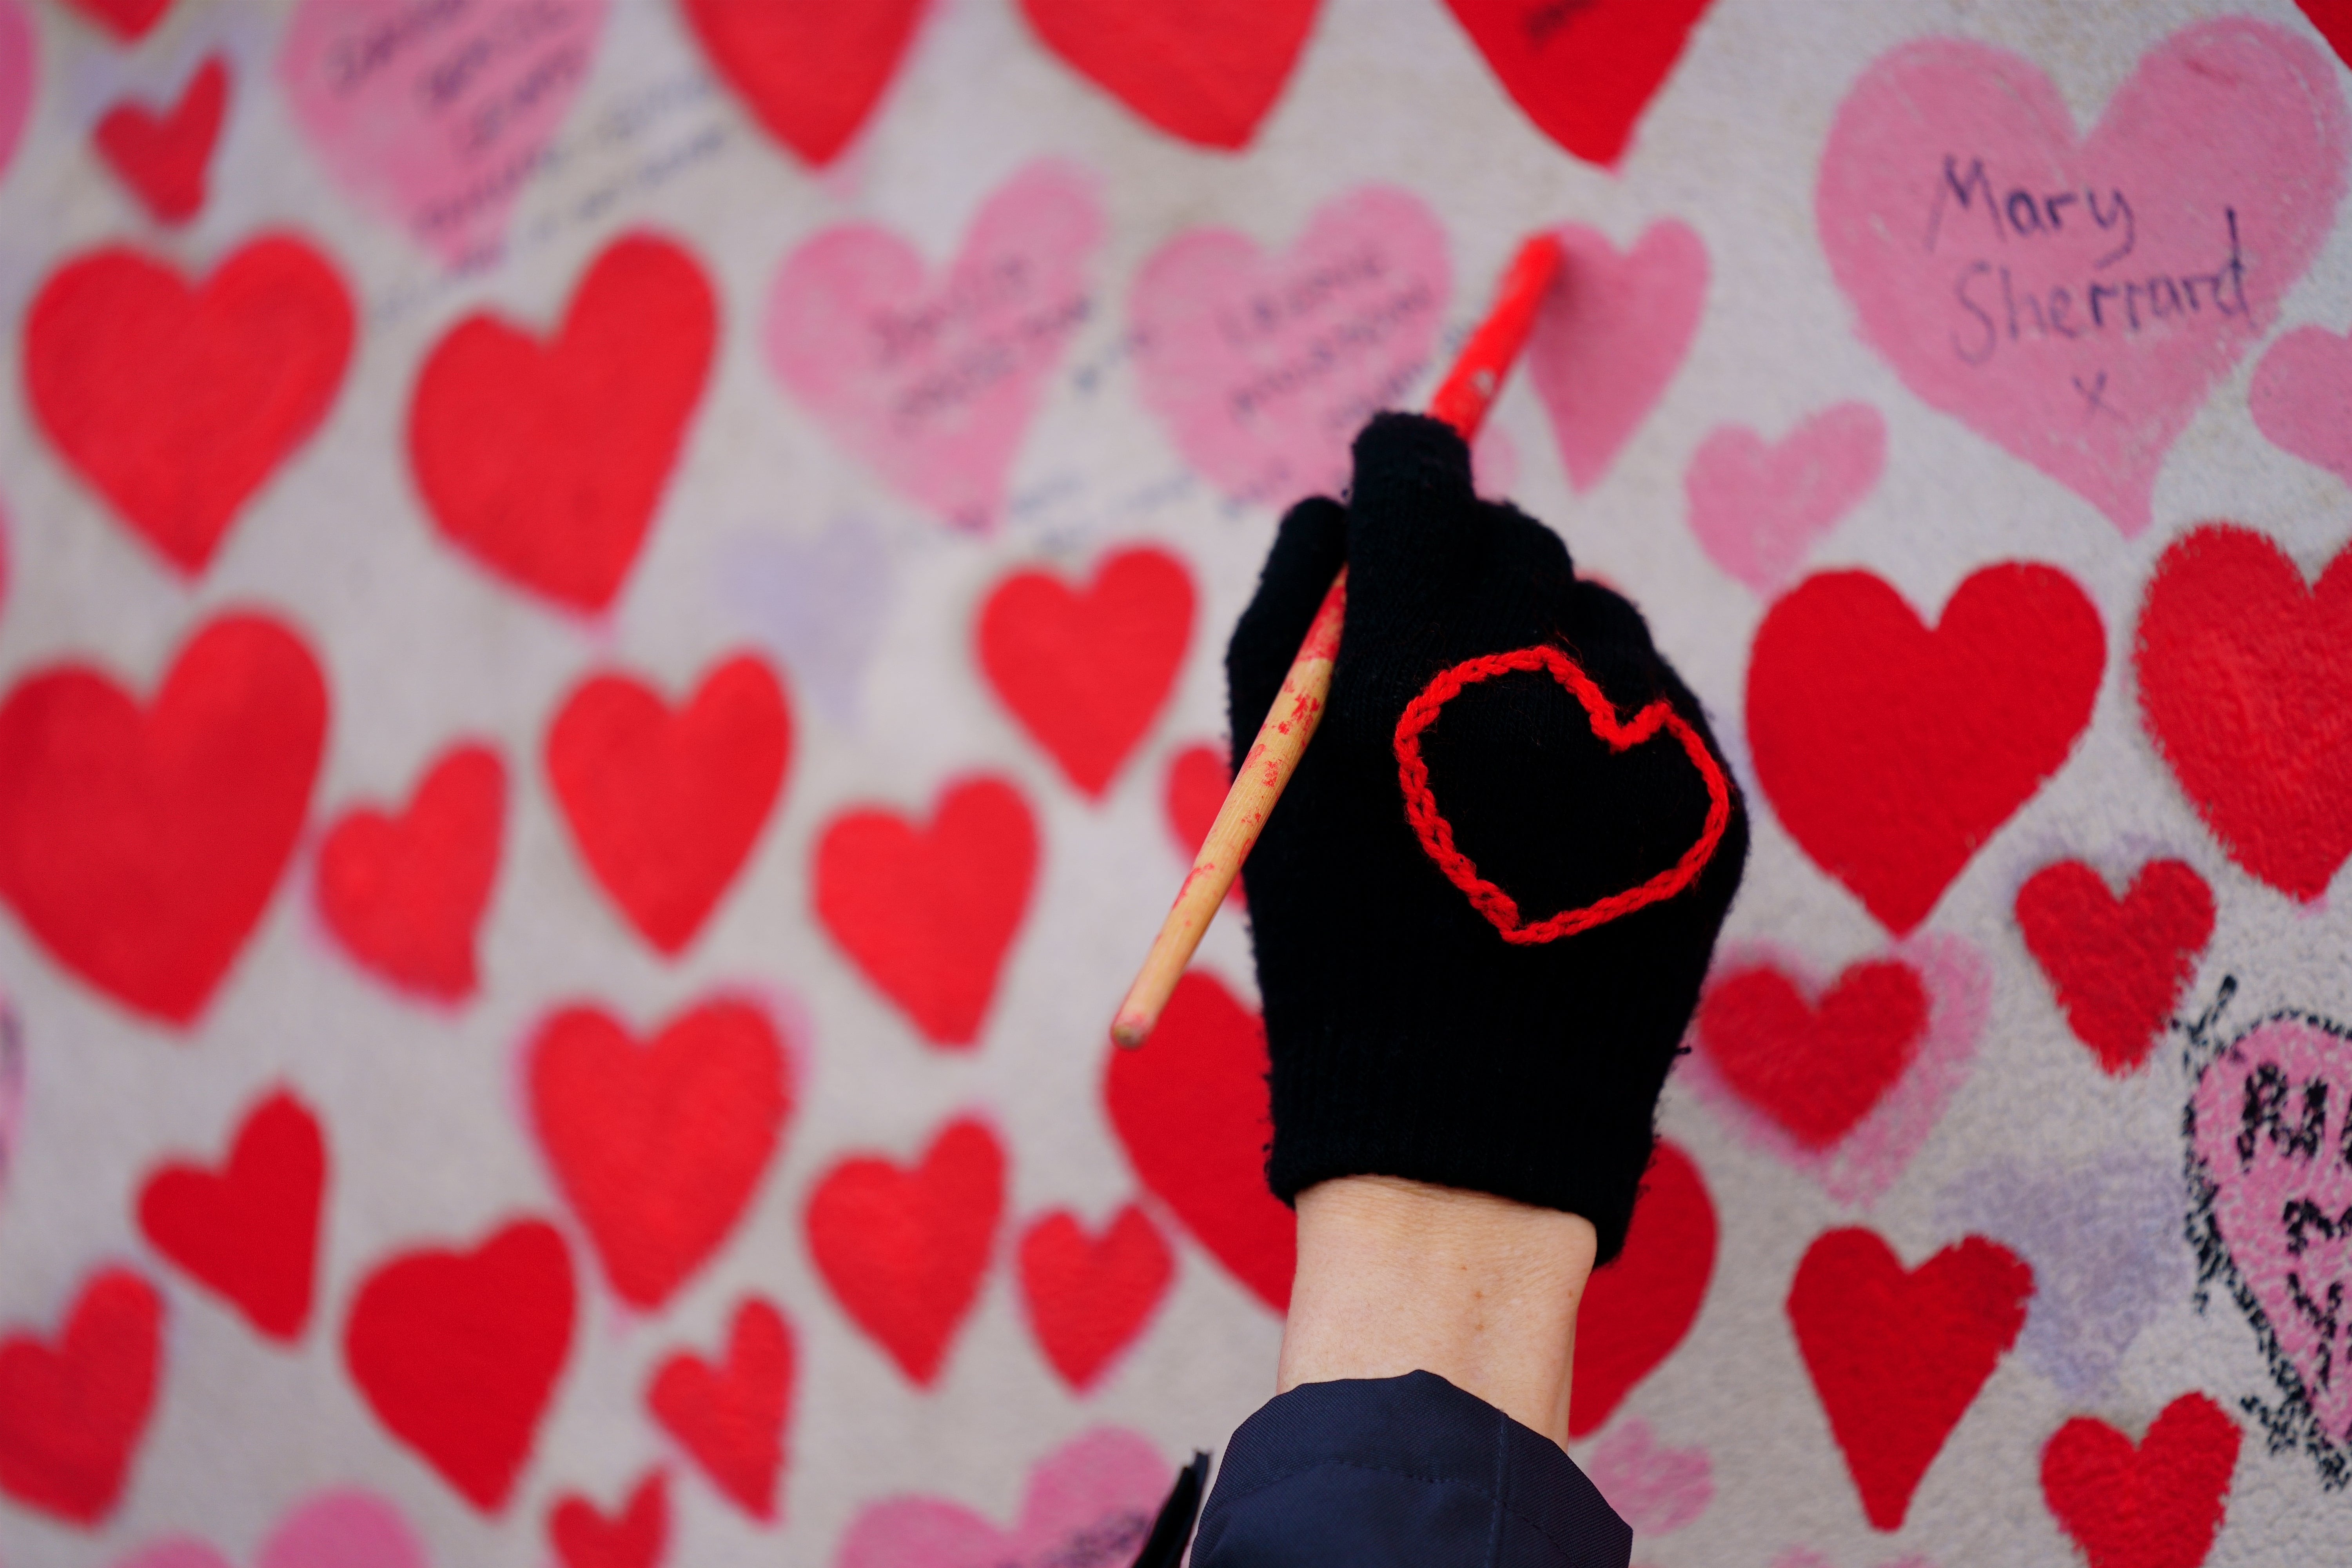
column 2076, row 299
column 1264, row 367
column 1610, row 335
column 1756, row 507
column 18, row 71
column 1090, row 1501
column 933, row 380
column 437, row 116
column 1867, row 1156
column 1653, row 1489
column 349, row 1529
column 2302, row 398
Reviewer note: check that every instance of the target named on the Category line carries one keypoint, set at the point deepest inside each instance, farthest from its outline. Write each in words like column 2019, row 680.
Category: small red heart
column 2117, row 965
column 458, row 1351
column 665, row 804
column 1085, row 670
column 1204, row 70
column 730, row 1416
column 1436, row 833
column 1582, row 69
column 71, row 1417
column 545, row 461
column 1189, row 1104
column 2242, row 674
column 162, row 156
column 250, row 1230
column 1638, row 1308
column 2155, row 1504
column 1814, row 1067
column 904, row 1249
column 177, row 402
column 1898, row 1355
column 809, row 73
column 927, row 912
column 127, row 19
column 658, row 1147
column 406, row 892
column 585, row 1537
column 142, row 847
column 1089, row 1297
column 1198, row 780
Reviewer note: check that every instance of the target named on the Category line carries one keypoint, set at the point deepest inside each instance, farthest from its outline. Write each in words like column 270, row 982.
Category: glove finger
column 1417, row 526
column 1309, row 550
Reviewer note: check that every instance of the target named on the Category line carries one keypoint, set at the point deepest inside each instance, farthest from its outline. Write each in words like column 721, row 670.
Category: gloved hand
column 1409, row 1037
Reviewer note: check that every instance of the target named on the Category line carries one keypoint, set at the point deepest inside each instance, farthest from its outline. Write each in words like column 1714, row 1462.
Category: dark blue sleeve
column 1409, row 1472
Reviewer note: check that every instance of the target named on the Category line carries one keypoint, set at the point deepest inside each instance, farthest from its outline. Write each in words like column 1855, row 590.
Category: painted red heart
column 2157, row 1503
column 546, row 459
column 1191, row 796
column 127, row 19
column 1189, row 1104
column 250, row 1230
column 404, row 892
column 2117, row 965
column 162, row 157
column 1086, row 670
column 585, row 1537
column 928, row 911
column 177, row 402
column 809, row 71
column 664, row 804
column 142, row 847
column 1891, row 752
column 1204, row 70
column 1898, row 1355
column 2243, row 671
column 457, row 1352
column 1583, row 71
column 904, row 1250
column 659, row 1147
column 1638, row 1308
column 1815, row 1067
column 2334, row 20
column 72, row 1411
column 729, row 1415
column 1088, row 1296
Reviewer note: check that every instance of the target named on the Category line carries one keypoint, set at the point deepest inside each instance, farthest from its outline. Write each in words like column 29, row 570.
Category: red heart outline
column 1437, row 834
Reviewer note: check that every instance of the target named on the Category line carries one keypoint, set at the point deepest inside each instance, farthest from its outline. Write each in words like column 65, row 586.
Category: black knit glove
column 1410, row 1036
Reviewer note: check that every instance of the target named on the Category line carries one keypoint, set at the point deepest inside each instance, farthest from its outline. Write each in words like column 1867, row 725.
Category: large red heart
column 1891, row 752
column 458, row 1351
column 143, row 848
column 177, row 402
column 1205, row 70
column 1897, row 1355
column 1637, row 1309
column 1089, row 1296
column 1189, row 1104
column 70, row 1417
column 584, row 1537
column 730, row 1415
column 809, row 71
column 404, row 892
column 2242, row 674
column 128, row 19
column 2334, row 20
column 2117, row 965
column 250, row 1230
column 1814, row 1067
column 1583, row 71
column 2155, row 1504
column 546, row 460
column 904, row 1249
column 927, row 912
column 665, row 804
column 658, row 1147
column 162, row 156
column 1085, row 670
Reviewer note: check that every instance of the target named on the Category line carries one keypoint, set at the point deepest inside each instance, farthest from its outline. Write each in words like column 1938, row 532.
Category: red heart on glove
column 1089, row 1296
column 405, row 891
column 2155, row 1504
column 584, row 1537
column 162, row 156
column 1637, row 1309
column 2117, row 965
column 809, row 73
column 250, row 1231
column 1205, row 70
column 71, row 1417
column 1585, row 71
column 730, row 1414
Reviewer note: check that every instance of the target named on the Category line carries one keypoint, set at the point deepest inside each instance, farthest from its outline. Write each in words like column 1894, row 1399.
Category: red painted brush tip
column 1469, row 388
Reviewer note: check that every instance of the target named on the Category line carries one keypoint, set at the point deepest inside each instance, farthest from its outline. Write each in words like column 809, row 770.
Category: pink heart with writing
column 1264, row 367
column 1756, row 507
column 1653, row 1489
column 333, row 1530
column 2302, row 398
column 18, row 71
column 437, row 116
column 1612, row 334
column 933, row 380
column 1090, row 1504
column 2076, row 299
